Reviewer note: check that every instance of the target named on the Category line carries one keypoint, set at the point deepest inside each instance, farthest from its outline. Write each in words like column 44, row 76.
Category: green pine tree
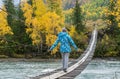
column 10, row 9
column 15, row 20
column 78, row 18
column 30, row 2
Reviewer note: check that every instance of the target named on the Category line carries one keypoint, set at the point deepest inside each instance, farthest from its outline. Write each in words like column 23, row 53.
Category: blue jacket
column 65, row 42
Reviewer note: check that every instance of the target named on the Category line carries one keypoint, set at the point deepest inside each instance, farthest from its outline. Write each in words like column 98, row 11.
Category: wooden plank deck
column 76, row 67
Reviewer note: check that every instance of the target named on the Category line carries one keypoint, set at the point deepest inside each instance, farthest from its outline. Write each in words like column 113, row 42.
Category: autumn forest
column 28, row 29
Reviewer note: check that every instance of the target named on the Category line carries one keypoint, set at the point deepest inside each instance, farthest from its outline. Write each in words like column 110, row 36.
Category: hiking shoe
column 65, row 70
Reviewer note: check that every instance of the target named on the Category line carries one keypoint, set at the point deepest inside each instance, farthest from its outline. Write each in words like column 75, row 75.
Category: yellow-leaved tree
column 33, row 14
column 42, row 24
column 4, row 28
column 113, row 13
column 53, row 24
column 117, row 13
column 55, row 20
column 55, row 6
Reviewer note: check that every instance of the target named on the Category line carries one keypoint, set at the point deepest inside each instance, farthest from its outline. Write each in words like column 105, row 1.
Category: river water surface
column 97, row 69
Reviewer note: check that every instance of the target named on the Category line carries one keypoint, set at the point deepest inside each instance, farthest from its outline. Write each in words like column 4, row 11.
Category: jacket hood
column 62, row 34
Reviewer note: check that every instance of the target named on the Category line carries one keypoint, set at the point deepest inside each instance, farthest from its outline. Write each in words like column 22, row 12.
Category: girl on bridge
column 65, row 40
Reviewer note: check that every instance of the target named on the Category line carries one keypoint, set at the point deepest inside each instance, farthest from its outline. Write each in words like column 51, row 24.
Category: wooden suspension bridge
column 77, row 66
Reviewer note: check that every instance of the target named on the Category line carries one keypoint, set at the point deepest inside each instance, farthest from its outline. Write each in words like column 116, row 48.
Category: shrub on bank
column 3, row 56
